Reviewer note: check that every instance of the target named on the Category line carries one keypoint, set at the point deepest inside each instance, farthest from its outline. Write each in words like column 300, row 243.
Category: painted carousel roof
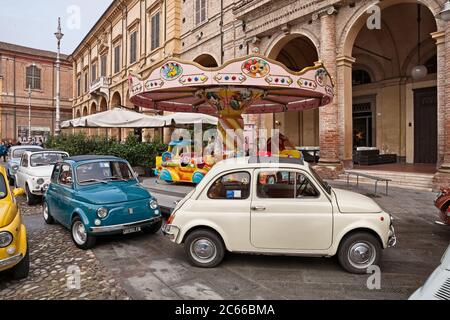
column 253, row 84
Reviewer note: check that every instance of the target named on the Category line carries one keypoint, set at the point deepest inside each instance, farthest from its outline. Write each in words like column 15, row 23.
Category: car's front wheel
column 21, row 270
column 32, row 199
column 204, row 248
column 359, row 251
column 153, row 228
column 47, row 216
column 80, row 236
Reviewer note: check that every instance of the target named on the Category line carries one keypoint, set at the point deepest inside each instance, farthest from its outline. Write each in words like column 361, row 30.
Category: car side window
column 305, row 188
column 24, row 162
column 55, row 173
column 276, row 184
column 65, row 175
column 231, row 186
column 284, row 185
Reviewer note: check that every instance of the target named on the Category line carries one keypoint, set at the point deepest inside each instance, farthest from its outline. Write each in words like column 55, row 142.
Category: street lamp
column 445, row 13
column 29, row 113
column 59, row 35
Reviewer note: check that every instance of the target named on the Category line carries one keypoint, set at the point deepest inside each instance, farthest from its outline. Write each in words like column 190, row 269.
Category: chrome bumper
column 11, row 260
column 121, row 227
column 171, row 231
column 392, row 240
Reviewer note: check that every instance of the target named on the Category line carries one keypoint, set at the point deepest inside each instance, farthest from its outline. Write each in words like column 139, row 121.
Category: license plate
column 132, row 230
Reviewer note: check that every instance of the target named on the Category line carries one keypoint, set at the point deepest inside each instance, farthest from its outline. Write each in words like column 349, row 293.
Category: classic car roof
column 26, row 146
column 258, row 162
column 44, row 151
column 91, row 158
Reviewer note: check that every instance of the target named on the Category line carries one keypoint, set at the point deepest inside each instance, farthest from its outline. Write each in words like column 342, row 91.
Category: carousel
column 248, row 85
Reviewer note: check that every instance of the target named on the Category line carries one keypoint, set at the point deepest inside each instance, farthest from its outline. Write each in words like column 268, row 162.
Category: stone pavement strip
column 52, row 255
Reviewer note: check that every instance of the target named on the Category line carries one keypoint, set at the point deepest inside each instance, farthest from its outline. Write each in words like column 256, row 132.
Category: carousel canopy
column 252, row 85
column 115, row 118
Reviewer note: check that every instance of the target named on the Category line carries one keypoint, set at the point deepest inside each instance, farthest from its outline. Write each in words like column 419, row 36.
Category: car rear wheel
column 31, row 198
column 47, row 216
column 80, row 236
column 21, row 270
column 204, row 248
column 153, row 228
column 359, row 251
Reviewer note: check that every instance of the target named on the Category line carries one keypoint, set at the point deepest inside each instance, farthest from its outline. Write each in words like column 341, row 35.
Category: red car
column 442, row 202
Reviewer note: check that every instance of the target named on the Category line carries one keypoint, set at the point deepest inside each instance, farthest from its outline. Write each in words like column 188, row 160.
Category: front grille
column 444, row 291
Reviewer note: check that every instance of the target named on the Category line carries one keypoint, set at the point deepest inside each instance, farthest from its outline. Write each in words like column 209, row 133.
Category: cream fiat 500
column 278, row 206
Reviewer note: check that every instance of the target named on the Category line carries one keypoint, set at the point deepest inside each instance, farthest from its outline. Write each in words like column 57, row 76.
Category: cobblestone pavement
column 52, row 255
column 151, row 267
column 155, row 268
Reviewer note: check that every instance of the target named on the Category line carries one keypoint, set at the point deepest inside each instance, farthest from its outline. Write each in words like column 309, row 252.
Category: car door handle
column 258, row 208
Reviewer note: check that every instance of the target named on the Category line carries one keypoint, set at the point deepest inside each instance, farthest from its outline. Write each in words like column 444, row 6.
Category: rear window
column 19, row 152
column 232, row 186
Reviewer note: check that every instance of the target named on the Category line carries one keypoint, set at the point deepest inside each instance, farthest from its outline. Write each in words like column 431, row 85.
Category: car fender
column 31, row 184
column 80, row 212
column 198, row 224
column 381, row 229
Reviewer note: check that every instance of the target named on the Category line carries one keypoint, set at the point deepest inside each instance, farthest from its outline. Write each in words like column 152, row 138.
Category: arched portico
column 206, row 60
column 388, row 107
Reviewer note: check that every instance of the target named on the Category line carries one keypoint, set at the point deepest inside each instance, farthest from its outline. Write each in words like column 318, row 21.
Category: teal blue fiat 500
column 99, row 195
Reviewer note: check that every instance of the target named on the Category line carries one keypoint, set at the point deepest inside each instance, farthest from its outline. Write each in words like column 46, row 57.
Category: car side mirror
column 17, row 192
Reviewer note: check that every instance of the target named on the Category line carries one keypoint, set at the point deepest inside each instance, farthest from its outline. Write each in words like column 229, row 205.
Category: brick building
column 378, row 103
column 131, row 36
column 21, row 67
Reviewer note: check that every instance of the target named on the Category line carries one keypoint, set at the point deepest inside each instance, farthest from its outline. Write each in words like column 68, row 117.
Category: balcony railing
column 99, row 84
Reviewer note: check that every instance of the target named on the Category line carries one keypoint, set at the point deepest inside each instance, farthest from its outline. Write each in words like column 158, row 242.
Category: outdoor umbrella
column 115, row 118
column 189, row 118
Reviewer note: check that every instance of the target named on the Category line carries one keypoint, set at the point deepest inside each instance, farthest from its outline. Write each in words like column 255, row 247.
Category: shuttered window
column 200, row 11
column 133, row 47
column 155, row 43
column 33, row 77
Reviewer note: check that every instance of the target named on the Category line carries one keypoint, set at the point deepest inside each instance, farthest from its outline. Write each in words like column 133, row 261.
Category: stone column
column 329, row 166
column 442, row 177
column 345, row 109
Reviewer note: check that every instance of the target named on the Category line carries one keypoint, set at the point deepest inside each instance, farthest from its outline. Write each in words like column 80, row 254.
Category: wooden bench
column 368, row 176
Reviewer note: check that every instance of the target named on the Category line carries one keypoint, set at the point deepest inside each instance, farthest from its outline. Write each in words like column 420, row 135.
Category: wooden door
column 425, row 125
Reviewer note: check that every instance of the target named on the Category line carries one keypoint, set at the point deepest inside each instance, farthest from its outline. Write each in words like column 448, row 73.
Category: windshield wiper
column 117, row 179
column 94, row 180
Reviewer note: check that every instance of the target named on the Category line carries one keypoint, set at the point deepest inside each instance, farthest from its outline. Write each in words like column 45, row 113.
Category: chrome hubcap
column 361, row 255
column 203, row 250
column 79, row 232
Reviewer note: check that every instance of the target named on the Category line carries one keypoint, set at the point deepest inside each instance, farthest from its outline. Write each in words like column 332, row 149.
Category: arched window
column 360, row 77
column 33, row 77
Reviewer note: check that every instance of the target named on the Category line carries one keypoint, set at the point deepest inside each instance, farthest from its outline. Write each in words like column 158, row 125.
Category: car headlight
column 5, row 239
column 45, row 187
column 153, row 204
column 14, row 168
column 102, row 213
column 40, row 181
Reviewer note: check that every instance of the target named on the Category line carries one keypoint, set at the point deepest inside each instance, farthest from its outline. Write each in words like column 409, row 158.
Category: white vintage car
column 34, row 172
column 437, row 287
column 278, row 206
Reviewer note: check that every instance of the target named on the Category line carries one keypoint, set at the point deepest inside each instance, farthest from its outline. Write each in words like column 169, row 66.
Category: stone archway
column 206, row 60
column 102, row 108
column 116, row 101
column 385, row 107
column 296, row 52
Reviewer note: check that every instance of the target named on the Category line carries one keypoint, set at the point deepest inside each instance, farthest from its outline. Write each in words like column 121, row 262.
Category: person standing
column 3, row 150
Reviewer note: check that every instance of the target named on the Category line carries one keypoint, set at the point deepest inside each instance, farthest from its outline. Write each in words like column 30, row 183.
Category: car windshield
column 3, row 190
column 46, row 159
column 104, row 172
column 319, row 179
column 19, row 152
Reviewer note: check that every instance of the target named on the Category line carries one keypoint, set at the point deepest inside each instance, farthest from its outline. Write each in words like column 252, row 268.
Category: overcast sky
column 33, row 23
